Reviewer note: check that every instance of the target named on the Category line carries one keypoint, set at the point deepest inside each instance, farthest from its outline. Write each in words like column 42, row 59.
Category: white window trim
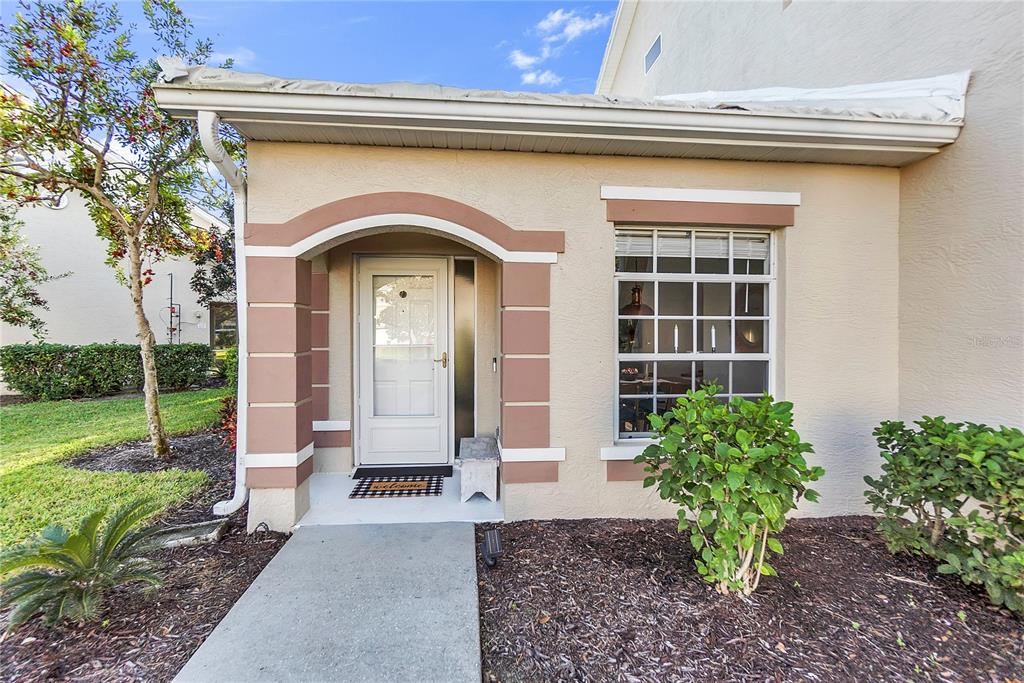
column 625, row 448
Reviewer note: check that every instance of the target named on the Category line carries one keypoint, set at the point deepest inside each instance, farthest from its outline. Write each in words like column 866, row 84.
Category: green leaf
column 947, row 569
column 717, row 490
column 734, row 479
column 774, row 545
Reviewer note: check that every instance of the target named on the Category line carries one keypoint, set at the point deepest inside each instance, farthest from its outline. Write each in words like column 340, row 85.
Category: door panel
column 403, row 324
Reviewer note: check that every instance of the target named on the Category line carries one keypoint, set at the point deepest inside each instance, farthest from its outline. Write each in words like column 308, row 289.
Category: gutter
column 586, row 119
column 209, row 135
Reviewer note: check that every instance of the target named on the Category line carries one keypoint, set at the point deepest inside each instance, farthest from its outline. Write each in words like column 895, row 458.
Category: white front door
column 404, row 361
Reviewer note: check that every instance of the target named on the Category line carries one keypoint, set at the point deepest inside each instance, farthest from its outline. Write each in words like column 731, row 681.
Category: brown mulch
column 619, row 600
column 150, row 637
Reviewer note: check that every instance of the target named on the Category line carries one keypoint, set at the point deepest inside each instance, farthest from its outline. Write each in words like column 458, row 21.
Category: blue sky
column 544, row 46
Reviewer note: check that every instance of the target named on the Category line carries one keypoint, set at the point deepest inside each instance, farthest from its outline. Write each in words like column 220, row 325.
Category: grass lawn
column 36, row 489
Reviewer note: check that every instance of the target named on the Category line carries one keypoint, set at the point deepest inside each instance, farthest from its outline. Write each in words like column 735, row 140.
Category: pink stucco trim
column 529, row 472
column 319, row 327
column 278, row 477
column 698, row 213
column 321, row 403
column 525, row 284
column 277, row 379
column 278, row 280
column 625, row 470
column 280, row 429
column 525, row 332
column 318, row 298
column 525, row 379
column 320, row 375
column 338, row 439
column 309, row 223
column 525, row 426
column 278, row 330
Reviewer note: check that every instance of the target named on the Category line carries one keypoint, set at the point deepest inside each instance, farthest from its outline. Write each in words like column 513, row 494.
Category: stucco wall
column 837, row 351
column 961, row 217
column 90, row 305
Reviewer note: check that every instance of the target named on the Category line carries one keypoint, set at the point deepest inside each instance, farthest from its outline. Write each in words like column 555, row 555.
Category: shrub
column 228, row 427
column 64, row 575
column 57, row 371
column 955, row 492
column 737, row 469
column 230, row 366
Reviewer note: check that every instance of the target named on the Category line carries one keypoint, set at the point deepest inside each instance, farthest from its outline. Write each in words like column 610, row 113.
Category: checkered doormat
column 398, row 487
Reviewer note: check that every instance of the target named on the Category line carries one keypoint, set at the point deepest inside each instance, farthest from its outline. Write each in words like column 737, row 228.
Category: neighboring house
column 961, row 215
column 423, row 263
column 90, row 305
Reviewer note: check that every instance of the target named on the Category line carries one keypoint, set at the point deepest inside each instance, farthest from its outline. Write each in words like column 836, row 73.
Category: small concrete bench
column 480, row 458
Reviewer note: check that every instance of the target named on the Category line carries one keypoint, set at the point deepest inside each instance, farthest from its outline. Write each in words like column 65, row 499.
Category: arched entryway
column 293, row 406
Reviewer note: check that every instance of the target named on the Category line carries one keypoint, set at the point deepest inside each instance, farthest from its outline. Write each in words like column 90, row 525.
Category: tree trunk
column 147, row 342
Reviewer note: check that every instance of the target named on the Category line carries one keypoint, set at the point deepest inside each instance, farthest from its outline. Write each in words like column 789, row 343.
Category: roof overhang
column 560, row 126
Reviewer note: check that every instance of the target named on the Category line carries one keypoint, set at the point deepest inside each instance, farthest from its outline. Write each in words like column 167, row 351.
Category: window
column 223, row 325
column 692, row 308
column 652, row 54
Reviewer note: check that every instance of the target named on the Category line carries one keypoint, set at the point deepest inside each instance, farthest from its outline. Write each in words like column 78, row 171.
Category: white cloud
column 546, row 77
column 242, row 56
column 556, row 30
column 561, row 26
column 521, row 60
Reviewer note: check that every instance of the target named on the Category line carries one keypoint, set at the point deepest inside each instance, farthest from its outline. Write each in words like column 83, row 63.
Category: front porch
column 329, row 504
column 383, row 329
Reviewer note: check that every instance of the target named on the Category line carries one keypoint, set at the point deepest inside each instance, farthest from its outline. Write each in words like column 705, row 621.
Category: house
column 89, row 305
column 424, row 263
column 961, row 218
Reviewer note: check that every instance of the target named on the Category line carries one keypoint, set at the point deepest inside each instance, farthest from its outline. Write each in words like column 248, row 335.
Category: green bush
column 229, row 366
column 955, row 492
column 65, row 575
column 735, row 471
column 57, row 371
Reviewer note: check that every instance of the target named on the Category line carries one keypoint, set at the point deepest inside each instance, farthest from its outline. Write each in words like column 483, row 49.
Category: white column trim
column 531, row 454
column 279, row 459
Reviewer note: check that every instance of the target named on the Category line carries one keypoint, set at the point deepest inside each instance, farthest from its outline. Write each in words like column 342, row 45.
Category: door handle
column 443, row 360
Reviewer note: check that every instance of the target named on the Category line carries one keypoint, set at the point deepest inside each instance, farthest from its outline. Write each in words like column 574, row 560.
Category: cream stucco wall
column 961, row 213
column 90, row 305
column 837, row 352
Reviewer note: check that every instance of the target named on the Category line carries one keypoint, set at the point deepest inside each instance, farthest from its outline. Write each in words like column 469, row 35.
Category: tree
column 21, row 274
column 214, row 277
column 90, row 125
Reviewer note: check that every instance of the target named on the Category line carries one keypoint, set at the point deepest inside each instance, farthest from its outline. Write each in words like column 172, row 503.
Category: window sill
column 626, row 449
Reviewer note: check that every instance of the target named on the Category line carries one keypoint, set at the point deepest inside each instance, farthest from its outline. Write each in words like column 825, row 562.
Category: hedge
column 57, row 371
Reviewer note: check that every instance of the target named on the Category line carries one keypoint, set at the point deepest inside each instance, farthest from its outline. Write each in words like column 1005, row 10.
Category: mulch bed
column 149, row 638
column 619, row 600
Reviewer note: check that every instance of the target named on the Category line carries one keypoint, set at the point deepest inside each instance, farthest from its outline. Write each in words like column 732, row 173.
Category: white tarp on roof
column 940, row 98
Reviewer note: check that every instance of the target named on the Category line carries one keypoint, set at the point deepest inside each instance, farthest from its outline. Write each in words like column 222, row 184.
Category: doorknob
column 443, row 360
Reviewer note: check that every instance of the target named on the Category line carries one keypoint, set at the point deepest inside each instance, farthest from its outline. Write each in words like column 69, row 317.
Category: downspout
column 209, row 135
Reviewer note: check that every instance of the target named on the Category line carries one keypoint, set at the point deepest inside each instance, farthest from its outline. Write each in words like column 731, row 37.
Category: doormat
column 398, row 487
column 403, row 471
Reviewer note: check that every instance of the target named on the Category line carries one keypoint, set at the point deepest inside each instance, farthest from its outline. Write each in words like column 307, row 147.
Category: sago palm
column 66, row 575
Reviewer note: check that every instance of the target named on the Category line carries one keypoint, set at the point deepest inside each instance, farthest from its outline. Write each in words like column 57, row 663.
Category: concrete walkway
column 388, row 602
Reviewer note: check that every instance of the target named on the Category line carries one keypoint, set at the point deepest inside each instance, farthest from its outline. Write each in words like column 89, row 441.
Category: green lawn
column 36, row 489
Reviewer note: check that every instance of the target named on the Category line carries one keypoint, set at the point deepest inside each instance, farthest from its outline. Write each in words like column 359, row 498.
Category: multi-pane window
column 692, row 309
